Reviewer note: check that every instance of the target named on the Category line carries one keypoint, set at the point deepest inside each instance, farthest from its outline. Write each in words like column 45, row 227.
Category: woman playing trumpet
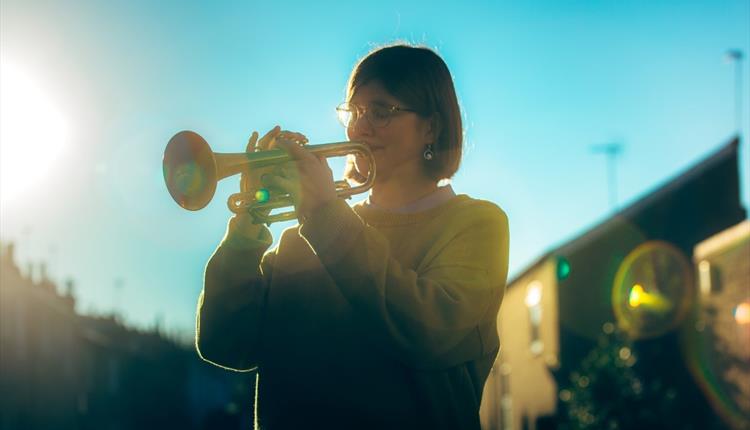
column 381, row 315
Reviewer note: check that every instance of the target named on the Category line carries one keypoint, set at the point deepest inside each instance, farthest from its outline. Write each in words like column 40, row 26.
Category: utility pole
column 612, row 151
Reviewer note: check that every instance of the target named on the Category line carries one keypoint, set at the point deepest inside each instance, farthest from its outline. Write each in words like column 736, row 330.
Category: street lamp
column 735, row 56
column 612, row 151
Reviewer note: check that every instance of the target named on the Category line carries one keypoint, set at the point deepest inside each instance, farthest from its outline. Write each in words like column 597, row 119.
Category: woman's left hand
column 308, row 179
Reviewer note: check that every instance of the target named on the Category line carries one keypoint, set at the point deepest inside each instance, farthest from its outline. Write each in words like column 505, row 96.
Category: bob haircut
column 420, row 79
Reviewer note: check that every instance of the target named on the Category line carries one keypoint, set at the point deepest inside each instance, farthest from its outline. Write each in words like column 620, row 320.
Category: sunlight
column 32, row 135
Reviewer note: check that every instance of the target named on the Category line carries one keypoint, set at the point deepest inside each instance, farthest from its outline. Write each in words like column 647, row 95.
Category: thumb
column 243, row 227
column 352, row 170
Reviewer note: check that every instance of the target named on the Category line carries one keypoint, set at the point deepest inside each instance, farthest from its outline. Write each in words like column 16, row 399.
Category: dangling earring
column 428, row 154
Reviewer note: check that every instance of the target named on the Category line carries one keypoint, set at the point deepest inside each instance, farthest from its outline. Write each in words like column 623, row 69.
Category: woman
column 381, row 315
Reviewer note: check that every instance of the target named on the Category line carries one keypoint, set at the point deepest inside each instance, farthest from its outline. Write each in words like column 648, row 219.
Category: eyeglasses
column 377, row 115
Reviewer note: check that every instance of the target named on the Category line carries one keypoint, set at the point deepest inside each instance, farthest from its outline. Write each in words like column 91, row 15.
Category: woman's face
column 397, row 147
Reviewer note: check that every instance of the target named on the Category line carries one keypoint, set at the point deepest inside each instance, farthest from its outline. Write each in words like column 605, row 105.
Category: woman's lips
column 372, row 147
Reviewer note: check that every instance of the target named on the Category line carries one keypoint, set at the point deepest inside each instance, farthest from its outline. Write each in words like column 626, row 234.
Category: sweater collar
column 381, row 217
column 435, row 198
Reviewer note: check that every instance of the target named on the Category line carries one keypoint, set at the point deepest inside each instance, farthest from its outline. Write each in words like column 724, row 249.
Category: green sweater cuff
column 332, row 229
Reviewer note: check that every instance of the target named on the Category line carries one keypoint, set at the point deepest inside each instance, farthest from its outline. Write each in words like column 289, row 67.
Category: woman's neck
column 399, row 190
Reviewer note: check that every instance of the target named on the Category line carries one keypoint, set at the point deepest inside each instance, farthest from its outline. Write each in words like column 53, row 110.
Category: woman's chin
column 380, row 163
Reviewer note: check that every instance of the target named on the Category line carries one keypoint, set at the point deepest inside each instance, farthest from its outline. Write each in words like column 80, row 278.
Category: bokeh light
column 742, row 313
column 533, row 294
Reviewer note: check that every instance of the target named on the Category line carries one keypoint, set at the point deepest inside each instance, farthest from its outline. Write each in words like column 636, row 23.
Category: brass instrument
column 192, row 170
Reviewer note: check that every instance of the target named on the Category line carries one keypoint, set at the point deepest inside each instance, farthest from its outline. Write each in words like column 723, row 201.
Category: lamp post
column 612, row 151
column 736, row 56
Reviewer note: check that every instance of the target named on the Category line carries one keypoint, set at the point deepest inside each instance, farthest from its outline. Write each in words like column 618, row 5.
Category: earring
column 428, row 154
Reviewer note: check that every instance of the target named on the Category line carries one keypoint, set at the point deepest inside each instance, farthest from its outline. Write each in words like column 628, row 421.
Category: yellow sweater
column 362, row 318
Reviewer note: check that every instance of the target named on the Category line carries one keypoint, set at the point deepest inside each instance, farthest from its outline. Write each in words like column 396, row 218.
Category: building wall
column 718, row 345
column 520, row 387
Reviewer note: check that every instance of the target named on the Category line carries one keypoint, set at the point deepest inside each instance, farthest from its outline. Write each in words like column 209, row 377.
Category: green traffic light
column 563, row 268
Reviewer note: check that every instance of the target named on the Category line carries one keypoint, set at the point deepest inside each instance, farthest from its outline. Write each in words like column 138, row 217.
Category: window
column 534, row 305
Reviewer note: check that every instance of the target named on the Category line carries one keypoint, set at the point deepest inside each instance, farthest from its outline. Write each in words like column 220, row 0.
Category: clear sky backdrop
column 539, row 82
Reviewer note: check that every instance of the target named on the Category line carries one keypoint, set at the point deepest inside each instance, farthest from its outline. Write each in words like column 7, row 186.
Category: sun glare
column 33, row 132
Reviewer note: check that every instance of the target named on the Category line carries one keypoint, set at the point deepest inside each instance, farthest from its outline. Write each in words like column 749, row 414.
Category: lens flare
column 638, row 296
column 653, row 290
column 707, row 358
column 262, row 195
column 189, row 178
column 635, row 296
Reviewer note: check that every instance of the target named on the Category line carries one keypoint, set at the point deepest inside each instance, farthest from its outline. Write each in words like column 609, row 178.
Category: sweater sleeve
column 231, row 306
column 440, row 315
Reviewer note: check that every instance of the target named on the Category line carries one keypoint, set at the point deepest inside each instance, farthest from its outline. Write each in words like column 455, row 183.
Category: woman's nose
column 359, row 128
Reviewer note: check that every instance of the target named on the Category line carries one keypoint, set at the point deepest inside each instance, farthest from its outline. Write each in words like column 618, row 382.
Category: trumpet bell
column 190, row 171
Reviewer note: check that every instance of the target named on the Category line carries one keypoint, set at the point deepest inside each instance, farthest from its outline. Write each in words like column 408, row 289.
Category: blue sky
column 540, row 82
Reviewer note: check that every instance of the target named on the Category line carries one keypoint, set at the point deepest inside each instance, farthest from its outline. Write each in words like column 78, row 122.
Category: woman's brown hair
column 420, row 79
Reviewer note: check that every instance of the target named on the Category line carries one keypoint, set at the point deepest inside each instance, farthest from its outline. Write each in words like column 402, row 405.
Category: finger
column 294, row 136
column 359, row 178
column 279, row 183
column 251, row 143
column 287, row 170
column 251, row 147
column 296, row 152
column 351, row 169
column 352, row 173
column 266, row 142
column 323, row 160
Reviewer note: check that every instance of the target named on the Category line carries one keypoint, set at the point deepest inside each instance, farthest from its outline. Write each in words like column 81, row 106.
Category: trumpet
column 192, row 170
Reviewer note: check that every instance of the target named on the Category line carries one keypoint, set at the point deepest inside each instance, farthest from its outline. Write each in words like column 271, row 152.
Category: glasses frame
column 362, row 111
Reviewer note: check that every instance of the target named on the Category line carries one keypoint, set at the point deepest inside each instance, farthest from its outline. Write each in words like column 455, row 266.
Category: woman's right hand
column 245, row 221
column 268, row 141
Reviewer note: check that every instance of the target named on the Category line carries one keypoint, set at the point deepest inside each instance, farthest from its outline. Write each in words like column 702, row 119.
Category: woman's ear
column 434, row 127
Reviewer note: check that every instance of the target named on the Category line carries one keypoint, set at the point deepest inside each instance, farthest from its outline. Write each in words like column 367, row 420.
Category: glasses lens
column 378, row 115
column 345, row 114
